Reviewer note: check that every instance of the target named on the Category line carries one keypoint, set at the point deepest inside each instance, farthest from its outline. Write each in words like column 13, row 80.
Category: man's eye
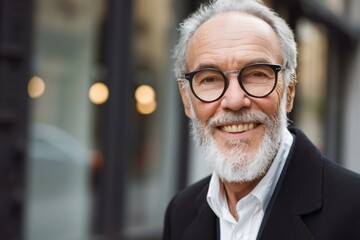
column 259, row 74
column 209, row 80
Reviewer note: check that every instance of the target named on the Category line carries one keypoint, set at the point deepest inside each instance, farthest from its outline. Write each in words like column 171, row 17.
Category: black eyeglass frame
column 190, row 75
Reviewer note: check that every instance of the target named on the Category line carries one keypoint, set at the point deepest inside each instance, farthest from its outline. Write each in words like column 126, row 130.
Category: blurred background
column 93, row 139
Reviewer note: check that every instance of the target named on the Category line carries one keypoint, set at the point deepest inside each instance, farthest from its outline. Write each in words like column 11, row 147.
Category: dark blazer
column 314, row 199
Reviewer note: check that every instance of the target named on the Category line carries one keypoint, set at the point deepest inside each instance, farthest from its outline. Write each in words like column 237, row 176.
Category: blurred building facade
column 100, row 138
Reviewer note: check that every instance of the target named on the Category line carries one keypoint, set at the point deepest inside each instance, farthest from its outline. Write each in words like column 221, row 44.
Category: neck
column 236, row 191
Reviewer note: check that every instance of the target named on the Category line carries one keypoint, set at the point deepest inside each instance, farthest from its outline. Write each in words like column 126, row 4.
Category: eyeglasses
column 256, row 80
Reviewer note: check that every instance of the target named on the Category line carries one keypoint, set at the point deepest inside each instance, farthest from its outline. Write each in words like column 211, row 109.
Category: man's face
column 229, row 42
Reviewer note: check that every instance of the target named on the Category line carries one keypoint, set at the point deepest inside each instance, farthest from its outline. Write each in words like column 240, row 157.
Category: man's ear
column 291, row 93
column 185, row 99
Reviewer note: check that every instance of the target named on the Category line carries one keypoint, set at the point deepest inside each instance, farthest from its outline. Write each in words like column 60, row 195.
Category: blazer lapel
column 205, row 224
column 298, row 193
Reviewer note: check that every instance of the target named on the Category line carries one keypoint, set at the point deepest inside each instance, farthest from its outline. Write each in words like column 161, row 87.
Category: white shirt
column 251, row 208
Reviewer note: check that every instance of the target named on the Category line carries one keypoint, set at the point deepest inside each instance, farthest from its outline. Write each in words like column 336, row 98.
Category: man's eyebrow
column 207, row 65
column 260, row 60
column 240, row 64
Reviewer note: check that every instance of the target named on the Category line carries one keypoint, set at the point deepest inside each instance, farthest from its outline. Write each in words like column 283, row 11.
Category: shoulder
column 341, row 181
column 192, row 193
column 341, row 198
column 326, row 194
column 183, row 209
column 332, row 171
column 340, row 185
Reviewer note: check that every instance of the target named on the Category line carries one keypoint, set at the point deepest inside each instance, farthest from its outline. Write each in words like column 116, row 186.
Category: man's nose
column 235, row 98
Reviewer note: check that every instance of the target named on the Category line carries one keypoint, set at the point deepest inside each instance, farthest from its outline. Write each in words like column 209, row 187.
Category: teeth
column 238, row 128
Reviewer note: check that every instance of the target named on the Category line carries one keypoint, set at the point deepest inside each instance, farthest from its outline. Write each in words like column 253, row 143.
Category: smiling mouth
column 238, row 128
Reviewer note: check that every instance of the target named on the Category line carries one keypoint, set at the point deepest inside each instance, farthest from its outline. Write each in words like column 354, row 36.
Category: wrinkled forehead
column 233, row 32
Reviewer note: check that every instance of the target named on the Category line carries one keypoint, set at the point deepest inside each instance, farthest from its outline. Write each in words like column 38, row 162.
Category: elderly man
column 236, row 62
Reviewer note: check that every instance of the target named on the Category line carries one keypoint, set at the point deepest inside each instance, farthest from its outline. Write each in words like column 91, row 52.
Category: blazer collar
column 298, row 192
column 204, row 225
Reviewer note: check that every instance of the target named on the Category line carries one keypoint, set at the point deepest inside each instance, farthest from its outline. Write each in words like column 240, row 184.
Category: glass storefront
column 61, row 139
column 65, row 155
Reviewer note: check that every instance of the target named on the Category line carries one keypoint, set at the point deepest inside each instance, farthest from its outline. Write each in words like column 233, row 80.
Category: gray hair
column 251, row 7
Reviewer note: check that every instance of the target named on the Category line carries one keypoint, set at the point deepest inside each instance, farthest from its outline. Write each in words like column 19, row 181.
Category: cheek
column 269, row 107
column 271, row 103
column 204, row 111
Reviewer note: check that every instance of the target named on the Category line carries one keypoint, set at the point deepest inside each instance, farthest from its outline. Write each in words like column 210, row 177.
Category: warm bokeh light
column 145, row 94
column 98, row 93
column 36, row 87
column 146, row 108
column 145, row 97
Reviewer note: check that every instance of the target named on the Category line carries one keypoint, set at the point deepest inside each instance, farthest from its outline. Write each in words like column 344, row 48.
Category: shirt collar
column 263, row 191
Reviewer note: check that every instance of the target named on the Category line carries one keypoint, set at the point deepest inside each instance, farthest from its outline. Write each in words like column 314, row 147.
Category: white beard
column 240, row 162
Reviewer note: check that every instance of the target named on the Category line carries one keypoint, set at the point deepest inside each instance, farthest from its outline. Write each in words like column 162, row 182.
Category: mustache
column 240, row 117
